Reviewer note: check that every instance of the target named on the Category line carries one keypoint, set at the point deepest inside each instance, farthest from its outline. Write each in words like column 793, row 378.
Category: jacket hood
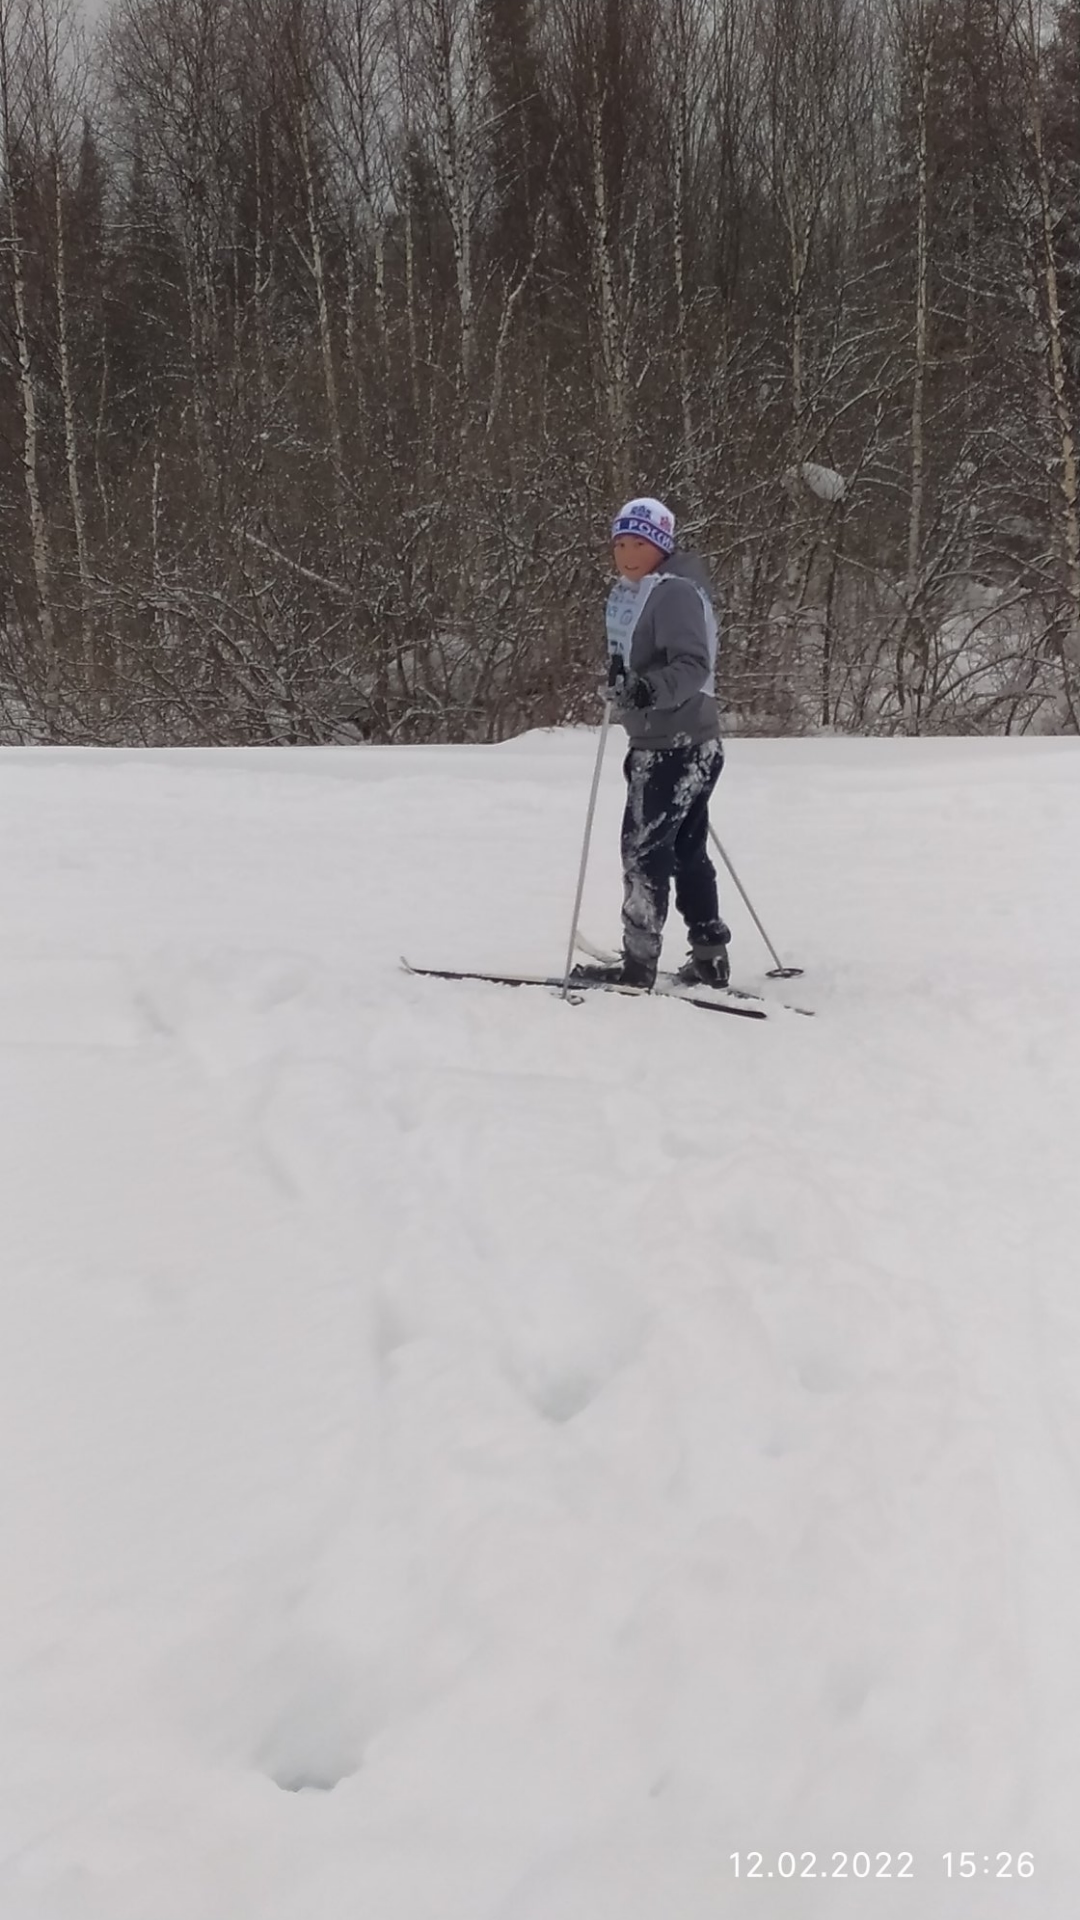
column 688, row 566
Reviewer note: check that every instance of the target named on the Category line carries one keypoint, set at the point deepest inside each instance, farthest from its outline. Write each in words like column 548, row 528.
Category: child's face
column 635, row 557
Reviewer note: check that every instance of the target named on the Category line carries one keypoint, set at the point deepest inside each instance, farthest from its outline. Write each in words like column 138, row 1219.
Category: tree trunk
column 318, row 271
column 612, row 337
column 1069, row 504
column 909, row 685
column 1055, row 363
column 71, row 441
column 39, row 531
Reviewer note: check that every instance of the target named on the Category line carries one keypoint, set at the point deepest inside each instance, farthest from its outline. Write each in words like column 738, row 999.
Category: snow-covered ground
column 466, row 1457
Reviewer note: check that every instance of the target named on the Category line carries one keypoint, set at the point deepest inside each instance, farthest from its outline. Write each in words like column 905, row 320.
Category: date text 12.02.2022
column 824, row 1866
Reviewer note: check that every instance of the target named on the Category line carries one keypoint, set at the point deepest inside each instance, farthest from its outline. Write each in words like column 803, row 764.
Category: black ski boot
column 706, row 967
column 624, row 972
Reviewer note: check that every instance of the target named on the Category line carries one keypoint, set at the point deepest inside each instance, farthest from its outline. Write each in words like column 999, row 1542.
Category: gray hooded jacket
column 665, row 631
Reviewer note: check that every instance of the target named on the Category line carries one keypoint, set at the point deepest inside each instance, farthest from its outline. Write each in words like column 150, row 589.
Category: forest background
column 332, row 332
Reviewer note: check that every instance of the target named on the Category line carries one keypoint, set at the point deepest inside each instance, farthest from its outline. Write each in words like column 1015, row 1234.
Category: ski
column 605, row 958
column 579, row 988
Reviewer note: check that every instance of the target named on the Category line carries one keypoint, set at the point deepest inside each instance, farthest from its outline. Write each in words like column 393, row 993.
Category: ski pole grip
column 616, row 670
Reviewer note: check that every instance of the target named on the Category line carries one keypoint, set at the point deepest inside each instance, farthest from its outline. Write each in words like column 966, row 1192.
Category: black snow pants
column 664, row 838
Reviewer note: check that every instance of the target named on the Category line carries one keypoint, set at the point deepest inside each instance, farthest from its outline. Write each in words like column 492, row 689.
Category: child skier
column 662, row 630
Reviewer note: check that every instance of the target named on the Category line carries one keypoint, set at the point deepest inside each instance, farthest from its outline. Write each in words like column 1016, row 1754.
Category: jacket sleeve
column 680, row 639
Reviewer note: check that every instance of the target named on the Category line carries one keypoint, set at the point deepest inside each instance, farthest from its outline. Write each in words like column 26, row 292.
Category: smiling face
column 635, row 557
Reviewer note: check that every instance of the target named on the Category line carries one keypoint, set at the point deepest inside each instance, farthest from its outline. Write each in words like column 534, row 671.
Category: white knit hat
column 650, row 520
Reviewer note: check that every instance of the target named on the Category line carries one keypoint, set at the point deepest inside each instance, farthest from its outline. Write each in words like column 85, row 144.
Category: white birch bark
column 412, row 326
column 1054, row 360
column 58, row 59
column 16, row 123
column 99, row 434
column 511, row 304
column 455, row 79
column 71, row 433
column 613, row 358
column 318, row 272
column 683, row 53
column 911, row 667
column 922, row 285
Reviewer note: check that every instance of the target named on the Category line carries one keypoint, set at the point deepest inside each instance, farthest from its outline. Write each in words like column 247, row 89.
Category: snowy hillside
column 592, row 1441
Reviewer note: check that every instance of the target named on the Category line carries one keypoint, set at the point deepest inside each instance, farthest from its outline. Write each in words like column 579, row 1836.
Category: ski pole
column 779, row 971
column 614, row 672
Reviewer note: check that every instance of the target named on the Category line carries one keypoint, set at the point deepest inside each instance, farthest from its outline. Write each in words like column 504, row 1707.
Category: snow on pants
column 664, row 838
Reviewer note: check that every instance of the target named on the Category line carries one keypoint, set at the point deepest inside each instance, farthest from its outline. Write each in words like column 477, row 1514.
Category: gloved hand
column 638, row 693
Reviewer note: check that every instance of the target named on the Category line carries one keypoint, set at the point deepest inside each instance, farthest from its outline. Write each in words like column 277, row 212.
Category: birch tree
column 813, row 94
column 173, row 68
column 59, row 63
column 20, row 157
column 601, row 53
column 1030, row 39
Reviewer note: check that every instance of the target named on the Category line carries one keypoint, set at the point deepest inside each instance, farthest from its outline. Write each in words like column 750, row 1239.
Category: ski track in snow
column 471, row 1458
